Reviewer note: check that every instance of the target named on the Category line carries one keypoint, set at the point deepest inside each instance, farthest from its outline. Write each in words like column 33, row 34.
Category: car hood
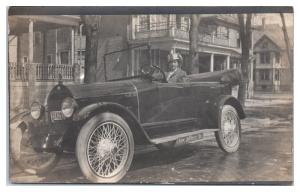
column 101, row 89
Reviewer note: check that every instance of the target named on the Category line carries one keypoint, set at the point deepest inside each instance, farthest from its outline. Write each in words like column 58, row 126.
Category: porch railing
column 181, row 31
column 50, row 72
column 18, row 72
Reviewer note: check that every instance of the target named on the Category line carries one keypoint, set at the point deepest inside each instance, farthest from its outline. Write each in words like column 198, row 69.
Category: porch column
column 228, row 62
column 72, row 46
column 30, row 42
column 211, row 62
column 56, row 48
column 32, row 66
column 80, row 46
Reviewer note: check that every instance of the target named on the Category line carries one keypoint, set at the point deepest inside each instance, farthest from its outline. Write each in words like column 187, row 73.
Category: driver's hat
column 174, row 57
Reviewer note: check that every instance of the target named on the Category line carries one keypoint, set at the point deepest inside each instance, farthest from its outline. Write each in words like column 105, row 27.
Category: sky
column 273, row 18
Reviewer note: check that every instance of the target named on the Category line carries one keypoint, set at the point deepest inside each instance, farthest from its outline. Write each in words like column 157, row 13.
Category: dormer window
column 265, row 45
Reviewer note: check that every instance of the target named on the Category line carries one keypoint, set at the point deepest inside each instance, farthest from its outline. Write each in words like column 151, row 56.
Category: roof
column 20, row 23
column 275, row 34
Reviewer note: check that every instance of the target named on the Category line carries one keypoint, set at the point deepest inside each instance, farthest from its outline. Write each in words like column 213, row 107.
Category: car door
column 177, row 109
column 148, row 102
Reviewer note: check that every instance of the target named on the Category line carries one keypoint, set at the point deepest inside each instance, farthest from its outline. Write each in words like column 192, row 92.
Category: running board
column 184, row 137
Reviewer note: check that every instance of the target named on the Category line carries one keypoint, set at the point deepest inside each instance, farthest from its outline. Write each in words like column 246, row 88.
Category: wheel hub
column 105, row 147
column 229, row 126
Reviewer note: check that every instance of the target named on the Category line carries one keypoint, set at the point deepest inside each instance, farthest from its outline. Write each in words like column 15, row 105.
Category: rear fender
column 222, row 100
column 140, row 136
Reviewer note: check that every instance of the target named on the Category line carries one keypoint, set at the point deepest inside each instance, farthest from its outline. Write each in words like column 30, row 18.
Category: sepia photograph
column 155, row 95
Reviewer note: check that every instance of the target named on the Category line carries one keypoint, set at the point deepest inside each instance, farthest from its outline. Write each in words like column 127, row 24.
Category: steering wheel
column 150, row 72
column 164, row 79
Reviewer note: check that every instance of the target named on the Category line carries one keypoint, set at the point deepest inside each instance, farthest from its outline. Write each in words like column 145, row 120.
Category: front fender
column 87, row 112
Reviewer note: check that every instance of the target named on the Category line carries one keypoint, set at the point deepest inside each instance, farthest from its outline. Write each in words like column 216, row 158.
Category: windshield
column 125, row 63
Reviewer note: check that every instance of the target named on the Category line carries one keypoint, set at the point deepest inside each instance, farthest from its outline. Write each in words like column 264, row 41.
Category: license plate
column 56, row 115
column 189, row 139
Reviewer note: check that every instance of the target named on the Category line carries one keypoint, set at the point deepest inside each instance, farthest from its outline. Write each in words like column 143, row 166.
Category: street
column 265, row 154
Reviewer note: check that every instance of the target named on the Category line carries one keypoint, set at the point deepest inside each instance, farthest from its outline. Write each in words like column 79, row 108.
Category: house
column 272, row 70
column 218, row 40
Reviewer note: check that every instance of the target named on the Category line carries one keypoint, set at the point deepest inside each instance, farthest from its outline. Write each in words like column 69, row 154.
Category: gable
column 266, row 44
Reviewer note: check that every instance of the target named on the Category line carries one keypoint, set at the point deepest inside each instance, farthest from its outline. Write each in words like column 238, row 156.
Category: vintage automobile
column 103, row 122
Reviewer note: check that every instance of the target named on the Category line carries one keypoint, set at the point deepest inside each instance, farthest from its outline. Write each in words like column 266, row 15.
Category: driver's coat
column 176, row 76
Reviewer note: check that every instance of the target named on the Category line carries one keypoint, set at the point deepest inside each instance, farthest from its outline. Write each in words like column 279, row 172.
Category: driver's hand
column 157, row 75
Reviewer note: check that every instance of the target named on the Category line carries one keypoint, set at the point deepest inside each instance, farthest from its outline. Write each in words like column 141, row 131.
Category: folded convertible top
column 232, row 77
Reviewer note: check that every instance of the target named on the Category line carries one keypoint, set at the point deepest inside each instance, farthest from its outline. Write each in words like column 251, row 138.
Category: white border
column 74, row 188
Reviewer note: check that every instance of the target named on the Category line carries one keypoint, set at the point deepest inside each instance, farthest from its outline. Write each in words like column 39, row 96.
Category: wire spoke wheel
column 105, row 148
column 229, row 134
column 108, row 149
column 229, row 128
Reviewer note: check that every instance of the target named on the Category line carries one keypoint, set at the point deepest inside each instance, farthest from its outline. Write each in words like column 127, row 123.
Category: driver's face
column 174, row 65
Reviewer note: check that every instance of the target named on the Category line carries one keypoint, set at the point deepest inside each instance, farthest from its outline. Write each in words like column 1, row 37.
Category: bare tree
column 92, row 30
column 245, row 37
column 287, row 44
column 193, row 37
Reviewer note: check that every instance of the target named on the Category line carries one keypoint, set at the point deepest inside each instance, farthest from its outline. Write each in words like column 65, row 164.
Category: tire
column 105, row 148
column 229, row 135
column 26, row 158
column 166, row 146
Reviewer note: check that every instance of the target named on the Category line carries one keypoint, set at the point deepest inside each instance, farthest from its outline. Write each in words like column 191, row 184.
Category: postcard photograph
column 137, row 95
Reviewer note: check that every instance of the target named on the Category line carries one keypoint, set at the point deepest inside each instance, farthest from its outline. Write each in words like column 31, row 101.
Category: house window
column 265, row 75
column 162, row 22
column 49, row 59
column 64, row 57
column 144, row 23
column 37, row 37
column 265, row 57
column 182, row 22
column 25, row 59
column 82, row 58
column 277, row 57
column 277, row 74
column 222, row 32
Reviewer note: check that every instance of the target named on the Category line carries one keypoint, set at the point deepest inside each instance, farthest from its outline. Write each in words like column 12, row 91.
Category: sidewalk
column 267, row 99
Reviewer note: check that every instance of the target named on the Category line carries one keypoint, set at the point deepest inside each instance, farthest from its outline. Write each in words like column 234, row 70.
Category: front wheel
column 229, row 135
column 105, row 148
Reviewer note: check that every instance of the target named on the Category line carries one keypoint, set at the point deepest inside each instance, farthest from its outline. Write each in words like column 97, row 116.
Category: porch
column 180, row 32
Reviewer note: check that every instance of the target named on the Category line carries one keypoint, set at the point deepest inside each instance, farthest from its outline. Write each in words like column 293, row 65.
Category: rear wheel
column 229, row 134
column 105, row 148
column 27, row 158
